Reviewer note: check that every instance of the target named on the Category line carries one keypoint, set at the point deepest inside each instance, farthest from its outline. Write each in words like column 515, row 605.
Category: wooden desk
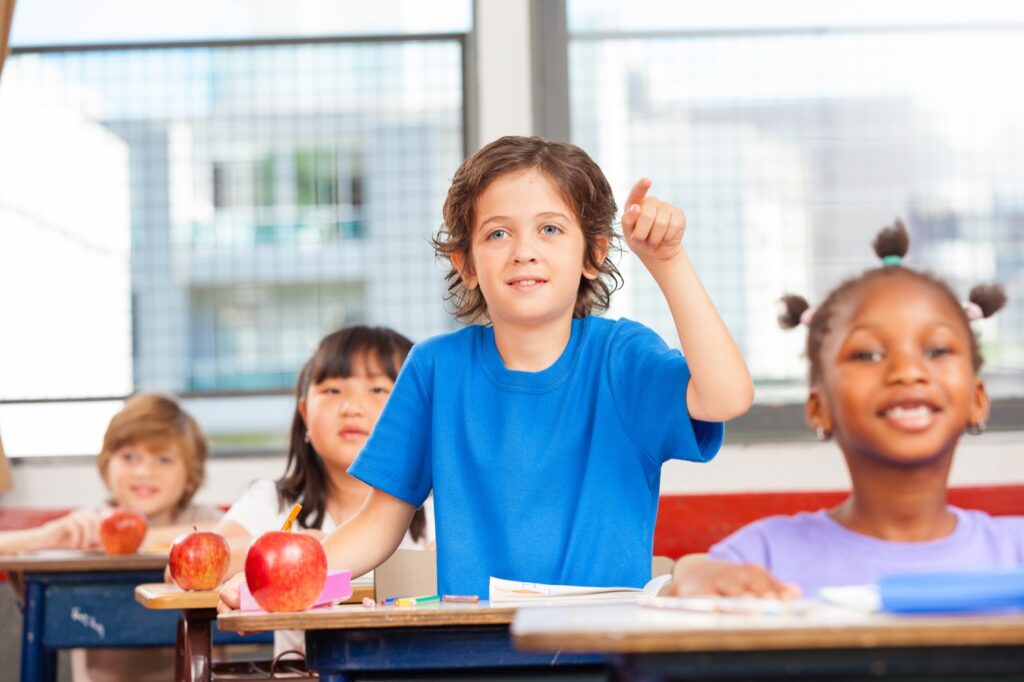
column 84, row 599
column 194, row 639
column 427, row 639
column 658, row 644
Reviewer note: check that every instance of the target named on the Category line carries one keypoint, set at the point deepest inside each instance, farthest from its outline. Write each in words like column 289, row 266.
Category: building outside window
column 219, row 203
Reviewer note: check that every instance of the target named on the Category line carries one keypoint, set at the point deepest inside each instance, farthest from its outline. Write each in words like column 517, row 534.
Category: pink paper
column 337, row 588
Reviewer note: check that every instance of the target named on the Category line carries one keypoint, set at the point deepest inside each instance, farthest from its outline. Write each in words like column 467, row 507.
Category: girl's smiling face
column 897, row 382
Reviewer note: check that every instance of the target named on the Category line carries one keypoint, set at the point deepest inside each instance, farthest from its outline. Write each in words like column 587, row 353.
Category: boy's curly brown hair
column 576, row 177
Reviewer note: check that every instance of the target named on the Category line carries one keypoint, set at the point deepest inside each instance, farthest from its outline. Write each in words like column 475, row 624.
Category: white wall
column 992, row 459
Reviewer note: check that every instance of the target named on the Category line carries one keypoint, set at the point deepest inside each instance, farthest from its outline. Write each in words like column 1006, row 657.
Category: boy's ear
column 464, row 267
column 816, row 412
column 600, row 252
column 980, row 403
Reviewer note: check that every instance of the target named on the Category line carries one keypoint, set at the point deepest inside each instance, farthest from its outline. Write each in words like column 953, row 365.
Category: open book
column 516, row 593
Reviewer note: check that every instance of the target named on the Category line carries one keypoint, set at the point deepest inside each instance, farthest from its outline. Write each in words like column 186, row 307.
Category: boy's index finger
column 637, row 193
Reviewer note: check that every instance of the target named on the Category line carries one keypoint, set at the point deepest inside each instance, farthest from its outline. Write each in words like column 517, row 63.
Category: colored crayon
column 415, row 601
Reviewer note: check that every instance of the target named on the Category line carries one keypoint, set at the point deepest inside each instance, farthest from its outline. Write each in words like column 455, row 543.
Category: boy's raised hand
column 726, row 579
column 653, row 228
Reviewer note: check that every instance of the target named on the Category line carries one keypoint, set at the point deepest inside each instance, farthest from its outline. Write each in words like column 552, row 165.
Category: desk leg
column 194, row 644
column 37, row 662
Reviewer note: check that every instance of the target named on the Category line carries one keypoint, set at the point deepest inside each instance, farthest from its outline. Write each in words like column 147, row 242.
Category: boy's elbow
column 744, row 400
column 730, row 404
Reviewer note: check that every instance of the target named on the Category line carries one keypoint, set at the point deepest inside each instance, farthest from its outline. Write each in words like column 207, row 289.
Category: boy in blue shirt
column 542, row 429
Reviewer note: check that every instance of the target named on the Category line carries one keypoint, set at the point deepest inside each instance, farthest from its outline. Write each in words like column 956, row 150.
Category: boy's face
column 147, row 479
column 898, row 383
column 340, row 412
column 527, row 252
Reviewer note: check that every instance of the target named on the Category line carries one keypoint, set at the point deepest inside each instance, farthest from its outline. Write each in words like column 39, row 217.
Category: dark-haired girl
column 894, row 382
column 339, row 394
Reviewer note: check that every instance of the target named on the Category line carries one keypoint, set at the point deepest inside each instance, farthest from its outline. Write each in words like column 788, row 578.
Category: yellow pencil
column 291, row 517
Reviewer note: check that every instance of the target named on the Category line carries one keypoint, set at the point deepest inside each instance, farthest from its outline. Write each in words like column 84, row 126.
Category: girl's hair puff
column 158, row 421
column 305, row 479
column 891, row 244
column 576, row 177
column 989, row 297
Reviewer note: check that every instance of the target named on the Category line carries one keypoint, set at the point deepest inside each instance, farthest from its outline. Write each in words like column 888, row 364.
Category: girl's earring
column 822, row 434
column 976, row 428
column 306, row 437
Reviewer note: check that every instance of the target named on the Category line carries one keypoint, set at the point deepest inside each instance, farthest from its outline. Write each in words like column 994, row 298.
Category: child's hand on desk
column 77, row 530
column 653, row 228
column 724, row 579
column 229, row 598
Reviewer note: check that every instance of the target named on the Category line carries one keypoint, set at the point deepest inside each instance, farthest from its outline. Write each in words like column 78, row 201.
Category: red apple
column 285, row 571
column 121, row 532
column 199, row 560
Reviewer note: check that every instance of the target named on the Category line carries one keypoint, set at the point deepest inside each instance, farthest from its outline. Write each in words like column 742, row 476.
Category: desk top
column 161, row 596
column 629, row 628
column 69, row 560
column 357, row 616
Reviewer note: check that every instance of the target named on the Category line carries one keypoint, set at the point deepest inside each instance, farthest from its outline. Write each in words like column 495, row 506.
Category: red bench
column 692, row 523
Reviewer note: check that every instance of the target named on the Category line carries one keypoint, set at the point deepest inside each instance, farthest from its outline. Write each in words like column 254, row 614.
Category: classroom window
column 212, row 196
column 790, row 132
column 256, row 337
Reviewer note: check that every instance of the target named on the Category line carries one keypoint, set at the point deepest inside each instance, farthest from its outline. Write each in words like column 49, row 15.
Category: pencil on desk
column 461, row 598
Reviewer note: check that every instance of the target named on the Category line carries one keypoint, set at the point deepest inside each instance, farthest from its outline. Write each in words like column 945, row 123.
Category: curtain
column 6, row 18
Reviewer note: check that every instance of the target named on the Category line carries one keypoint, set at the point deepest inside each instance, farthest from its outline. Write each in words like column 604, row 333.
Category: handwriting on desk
column 88, row 621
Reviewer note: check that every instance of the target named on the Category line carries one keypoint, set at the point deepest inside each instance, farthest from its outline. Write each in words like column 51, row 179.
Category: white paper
column 518, row 593
column 856, row 597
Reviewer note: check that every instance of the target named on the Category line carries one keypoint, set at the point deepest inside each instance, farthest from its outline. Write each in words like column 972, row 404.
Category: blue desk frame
column 337, row 654
column 93, row 609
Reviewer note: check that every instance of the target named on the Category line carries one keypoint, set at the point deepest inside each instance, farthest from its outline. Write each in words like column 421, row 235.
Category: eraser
column 337, row 588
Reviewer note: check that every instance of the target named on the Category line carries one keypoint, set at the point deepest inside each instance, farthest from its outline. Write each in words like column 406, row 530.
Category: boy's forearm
column 720, row 384
column 371, row 536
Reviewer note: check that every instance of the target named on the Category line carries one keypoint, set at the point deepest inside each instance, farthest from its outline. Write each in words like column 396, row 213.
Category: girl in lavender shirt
column 894, row 380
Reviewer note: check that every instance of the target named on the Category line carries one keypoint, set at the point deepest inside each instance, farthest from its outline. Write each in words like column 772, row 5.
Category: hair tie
column 808, row 315
column 974, row 311
column 892, row 260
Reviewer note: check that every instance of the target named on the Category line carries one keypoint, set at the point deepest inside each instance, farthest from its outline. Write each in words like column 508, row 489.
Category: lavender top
column 812, row 550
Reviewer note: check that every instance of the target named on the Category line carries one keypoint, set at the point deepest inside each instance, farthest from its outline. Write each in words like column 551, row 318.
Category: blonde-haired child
column 152, row 462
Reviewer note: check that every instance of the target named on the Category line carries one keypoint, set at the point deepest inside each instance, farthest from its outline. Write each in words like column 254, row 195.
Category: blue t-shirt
column 549, row 476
